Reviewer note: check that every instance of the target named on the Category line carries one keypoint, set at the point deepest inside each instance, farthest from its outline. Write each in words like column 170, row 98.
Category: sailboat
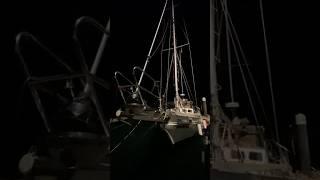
column 180, row 118
column 239, row 148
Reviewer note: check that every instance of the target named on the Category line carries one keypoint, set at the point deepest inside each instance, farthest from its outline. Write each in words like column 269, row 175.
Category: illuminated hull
column 181, row 126
column 176, row 133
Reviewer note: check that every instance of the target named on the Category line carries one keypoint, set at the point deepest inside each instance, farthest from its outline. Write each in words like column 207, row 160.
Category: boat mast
column 175, row 58
column 213, row 74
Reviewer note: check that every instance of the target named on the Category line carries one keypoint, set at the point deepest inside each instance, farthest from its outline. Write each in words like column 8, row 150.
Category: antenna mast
column 213, row 74
column 175, row 57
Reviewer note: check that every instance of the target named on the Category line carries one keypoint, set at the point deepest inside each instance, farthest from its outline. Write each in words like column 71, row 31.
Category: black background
column 292, row 36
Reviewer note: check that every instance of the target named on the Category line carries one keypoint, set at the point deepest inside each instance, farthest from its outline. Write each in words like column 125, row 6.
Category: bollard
column 303, row 143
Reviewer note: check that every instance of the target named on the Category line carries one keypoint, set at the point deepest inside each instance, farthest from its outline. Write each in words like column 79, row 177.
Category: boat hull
column 221, row 175
column 177, row 134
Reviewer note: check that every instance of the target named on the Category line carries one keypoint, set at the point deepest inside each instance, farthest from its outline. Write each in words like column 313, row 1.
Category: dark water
column 148, row 154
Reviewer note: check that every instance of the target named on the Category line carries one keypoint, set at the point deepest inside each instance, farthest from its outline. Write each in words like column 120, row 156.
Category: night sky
column 293, row 45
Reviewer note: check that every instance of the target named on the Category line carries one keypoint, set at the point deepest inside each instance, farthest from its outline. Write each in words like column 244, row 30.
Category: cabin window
column 256, row 156
column 190, row 111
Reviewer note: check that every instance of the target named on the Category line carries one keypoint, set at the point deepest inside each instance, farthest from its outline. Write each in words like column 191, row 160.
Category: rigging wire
column 126, row 137
column 180, row 65
column 161, row 41
column 181, row 73
column 161, row 78
column 191, row 62
column 225, row 5
column 168, row 79
column 249, row 70
column 251, row 76
column 184, row 81
column 246, row 85
column 187, row 85
column 161, row 65
column 269, row 72
column 243, row 77
column 169, row 65
column 154, row 38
